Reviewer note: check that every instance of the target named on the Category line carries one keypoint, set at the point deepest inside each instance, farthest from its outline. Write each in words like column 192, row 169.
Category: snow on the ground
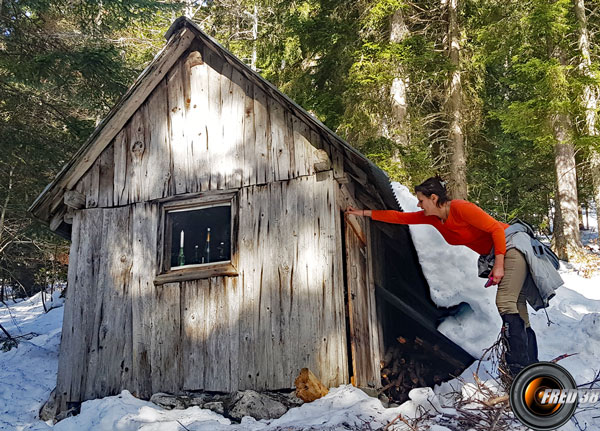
column 343, row 408
column 28, row 373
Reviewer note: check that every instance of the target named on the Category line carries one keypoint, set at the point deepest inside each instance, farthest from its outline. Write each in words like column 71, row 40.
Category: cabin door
column 360, row 309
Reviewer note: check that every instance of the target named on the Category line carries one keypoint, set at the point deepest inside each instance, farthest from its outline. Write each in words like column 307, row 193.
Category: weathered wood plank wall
column 283, row 312
column 97, row 341
column 205, row 127
column 144, row 221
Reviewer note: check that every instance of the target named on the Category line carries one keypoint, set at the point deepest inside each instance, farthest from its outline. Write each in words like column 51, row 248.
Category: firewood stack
column 408, row 365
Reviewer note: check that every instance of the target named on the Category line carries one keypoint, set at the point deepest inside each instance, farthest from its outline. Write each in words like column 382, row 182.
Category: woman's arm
column 396, row 217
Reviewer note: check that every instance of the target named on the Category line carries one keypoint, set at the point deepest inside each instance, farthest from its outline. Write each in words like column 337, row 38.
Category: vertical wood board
column 144, row 240
column 166, row 348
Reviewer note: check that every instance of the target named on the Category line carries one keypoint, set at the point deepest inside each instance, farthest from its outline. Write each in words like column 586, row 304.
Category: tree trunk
column 43, row 294
column 595, row 173
column 397, row 91
column 566, row 230
column 589, row 98
column 398, row 33
column 6, row 202
column 254, row 37
column 189, row 9
column 456, row 139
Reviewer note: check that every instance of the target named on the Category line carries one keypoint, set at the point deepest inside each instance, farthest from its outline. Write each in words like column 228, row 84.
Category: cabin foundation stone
column 259, row 405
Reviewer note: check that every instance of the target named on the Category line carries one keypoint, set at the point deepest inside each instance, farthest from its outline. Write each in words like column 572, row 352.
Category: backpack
column 485, row 263
column 540, row 249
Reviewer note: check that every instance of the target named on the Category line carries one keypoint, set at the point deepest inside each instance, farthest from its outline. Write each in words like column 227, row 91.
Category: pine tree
column 539, row 88
column 63, row 65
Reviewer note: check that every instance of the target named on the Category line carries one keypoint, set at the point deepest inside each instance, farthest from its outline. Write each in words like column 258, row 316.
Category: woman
column 464, row 223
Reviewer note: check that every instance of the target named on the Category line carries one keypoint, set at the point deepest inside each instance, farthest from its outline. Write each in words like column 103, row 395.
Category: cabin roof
column 179, row 37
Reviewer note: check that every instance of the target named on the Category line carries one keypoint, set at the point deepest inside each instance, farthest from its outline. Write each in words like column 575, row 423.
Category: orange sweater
column 467, row 224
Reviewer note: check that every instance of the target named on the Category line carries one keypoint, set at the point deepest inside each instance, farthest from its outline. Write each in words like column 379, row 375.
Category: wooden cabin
column 209, row 248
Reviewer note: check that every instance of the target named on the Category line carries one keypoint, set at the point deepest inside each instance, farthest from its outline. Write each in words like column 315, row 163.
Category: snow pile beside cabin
column 451, row 272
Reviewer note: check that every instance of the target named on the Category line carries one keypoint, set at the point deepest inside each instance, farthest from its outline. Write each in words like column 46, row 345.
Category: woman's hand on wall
column 362, row 213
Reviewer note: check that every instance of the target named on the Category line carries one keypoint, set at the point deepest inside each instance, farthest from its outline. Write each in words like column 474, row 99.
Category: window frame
column 165, row 273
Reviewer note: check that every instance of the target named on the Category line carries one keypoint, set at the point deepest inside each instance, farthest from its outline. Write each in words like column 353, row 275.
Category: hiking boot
column 517, row 353
column 532, row 347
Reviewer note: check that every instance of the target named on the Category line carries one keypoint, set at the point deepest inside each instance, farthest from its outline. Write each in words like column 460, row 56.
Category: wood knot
column 123, row 258
column 92, row 203
column 137, row 147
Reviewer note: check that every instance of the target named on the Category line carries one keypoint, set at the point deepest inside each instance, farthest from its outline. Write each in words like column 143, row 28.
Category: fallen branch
column 403, row 420
column 6, row 332
column 27, row 336
column 561, row 357
column 496, row 400
column 594, row 381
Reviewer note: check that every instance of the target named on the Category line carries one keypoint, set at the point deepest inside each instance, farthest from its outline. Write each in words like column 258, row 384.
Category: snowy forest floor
column 28, row 372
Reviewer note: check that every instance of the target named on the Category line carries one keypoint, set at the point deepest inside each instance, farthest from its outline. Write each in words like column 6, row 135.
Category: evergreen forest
column 499, row 97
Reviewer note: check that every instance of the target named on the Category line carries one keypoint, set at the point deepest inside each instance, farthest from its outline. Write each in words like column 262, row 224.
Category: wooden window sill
column 196, row 273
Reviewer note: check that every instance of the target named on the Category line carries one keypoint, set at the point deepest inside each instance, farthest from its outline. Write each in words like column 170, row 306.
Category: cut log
column 309, row 387
column 323, row 162
column 74, row 199
column 194, row 59
column 57, row 218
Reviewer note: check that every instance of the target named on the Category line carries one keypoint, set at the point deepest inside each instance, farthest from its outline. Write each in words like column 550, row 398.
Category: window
column 198, row 238
column 208, row 238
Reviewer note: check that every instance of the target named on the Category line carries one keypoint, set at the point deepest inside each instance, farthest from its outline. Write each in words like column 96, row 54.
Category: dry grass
column 587, row 263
